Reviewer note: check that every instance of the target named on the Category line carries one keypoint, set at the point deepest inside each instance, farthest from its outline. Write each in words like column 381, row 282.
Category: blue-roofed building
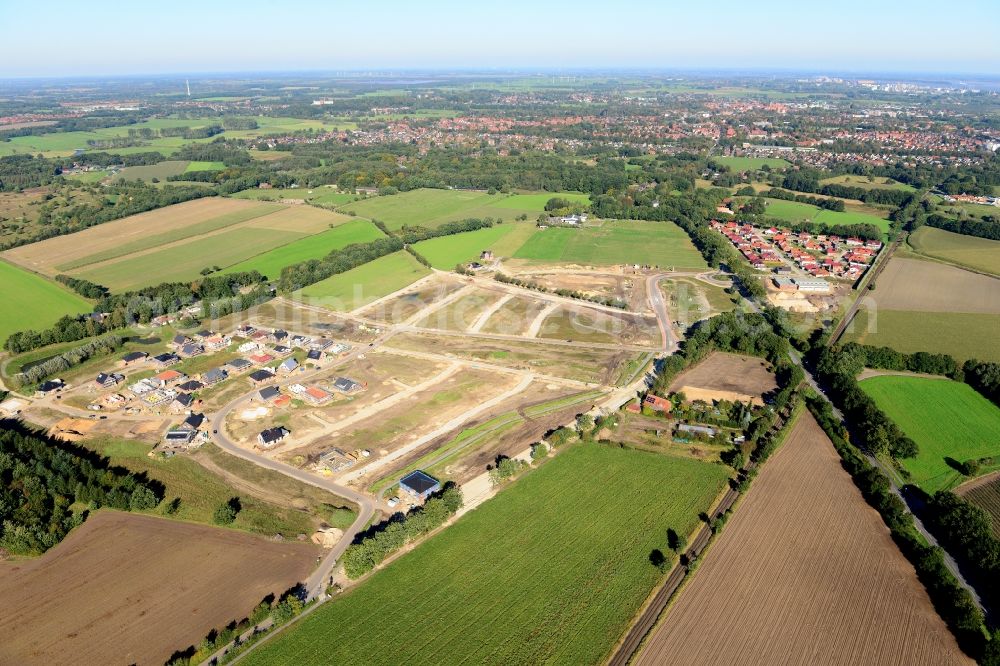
column 419, row 484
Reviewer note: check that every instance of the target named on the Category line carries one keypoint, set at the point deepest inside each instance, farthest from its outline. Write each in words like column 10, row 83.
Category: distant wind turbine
column 187, row 82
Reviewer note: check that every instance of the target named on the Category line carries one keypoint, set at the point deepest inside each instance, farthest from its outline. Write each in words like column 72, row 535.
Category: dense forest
column 46, row 483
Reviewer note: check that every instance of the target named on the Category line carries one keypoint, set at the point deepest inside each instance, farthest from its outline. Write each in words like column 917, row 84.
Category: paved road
column 659, row 306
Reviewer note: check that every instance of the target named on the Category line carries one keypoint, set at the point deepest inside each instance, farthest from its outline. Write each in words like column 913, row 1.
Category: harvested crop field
column 828, row 584
column 978, row 253
column 985, row 493
column 145, row 229
column 927, row 286
column 724, row 376
column 964, row 335
column 125, row 588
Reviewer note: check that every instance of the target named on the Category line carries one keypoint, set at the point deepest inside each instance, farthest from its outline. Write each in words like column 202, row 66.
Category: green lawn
column 946, row 419
column 794, row 211
column 963, row 335
column 447, row 251
column 977, row 253
column 432, row 208
column 32, row 302
column 617, row 242
column 751, row 163
column 550, row 571
column 537, row 201
column 204, row 166
column 312, row 247
column 366, row 283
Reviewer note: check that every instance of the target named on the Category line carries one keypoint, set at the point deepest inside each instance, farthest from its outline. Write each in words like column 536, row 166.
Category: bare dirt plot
column 462, row 314
column 515, row 316
column 724, row 376
column 127, row 588
column 927, row 286
column 598, row 366
column 582, row 324
column 399, row 308
column 44, row 256
column 629, row 288
column 292, row 316
column 805, row 572
column 387, row 430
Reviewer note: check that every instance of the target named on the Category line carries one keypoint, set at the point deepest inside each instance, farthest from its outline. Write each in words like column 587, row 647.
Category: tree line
column 382, row 540
column 973, row 226
column 41, row 478
column 221, row 293
column 101, row 346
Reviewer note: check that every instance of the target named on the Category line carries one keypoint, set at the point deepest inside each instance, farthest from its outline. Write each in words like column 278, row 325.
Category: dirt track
column 805, row 573
column 126, row 588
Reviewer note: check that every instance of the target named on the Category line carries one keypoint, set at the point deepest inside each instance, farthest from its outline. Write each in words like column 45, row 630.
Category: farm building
column 419, row 484
column 656, row 403
column 815, row 286
column 685, row 429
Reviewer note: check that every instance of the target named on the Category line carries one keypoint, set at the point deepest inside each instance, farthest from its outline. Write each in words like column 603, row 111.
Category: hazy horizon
column 260, row 36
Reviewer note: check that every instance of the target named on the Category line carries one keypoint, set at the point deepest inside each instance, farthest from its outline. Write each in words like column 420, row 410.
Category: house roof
column 289, row 364
column 419, row 482
column 239, row 363
column 194, row 420
column 314, row 354
column 272, row 434
column 345, row 384
column 134, row 356
column 191, row 385
column 166, row 358
column 169, row 375
column 184, row 399
column 215, row 374
column 261, row 375
column 317, row 393
column 269, row 392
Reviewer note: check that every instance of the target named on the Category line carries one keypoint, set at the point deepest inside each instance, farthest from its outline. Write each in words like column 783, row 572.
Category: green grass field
column 963, row 335
column 204, row 166
column 793, row 211
column 184, row 261
column 616, row 242
column 537, row 201
column 977, row 253
column 448, row 251
column 750, row 163
column 156, row 240
column 550, row 571
column 322, row 196
column 61, row 144
column 311, row 247
column 946, row 419
column 160, row 171
column 863, row 182
column 366, row 283
column 32, row 302
column 432, row 208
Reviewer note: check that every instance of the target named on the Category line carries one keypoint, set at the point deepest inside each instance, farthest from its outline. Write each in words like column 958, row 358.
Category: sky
column 96, row 37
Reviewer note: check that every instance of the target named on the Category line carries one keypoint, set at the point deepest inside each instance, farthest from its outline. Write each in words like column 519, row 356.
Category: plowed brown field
column 131, row 589
column 724, row 376
column 804, row 573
